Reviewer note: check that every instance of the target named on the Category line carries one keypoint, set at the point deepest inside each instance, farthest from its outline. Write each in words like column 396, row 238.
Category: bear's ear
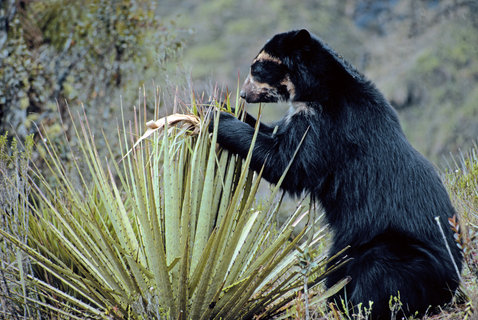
column 302, row 37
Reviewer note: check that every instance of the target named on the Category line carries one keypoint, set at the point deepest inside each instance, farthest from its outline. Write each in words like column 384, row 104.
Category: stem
column 448, row 248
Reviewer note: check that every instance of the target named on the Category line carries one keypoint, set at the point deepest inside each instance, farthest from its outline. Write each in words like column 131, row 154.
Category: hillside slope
column 422, row 55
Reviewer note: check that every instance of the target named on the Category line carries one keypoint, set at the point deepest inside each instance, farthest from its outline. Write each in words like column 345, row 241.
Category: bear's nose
column 246, row 87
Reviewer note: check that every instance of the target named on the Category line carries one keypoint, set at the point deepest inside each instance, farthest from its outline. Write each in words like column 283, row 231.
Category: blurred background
column 99, row 55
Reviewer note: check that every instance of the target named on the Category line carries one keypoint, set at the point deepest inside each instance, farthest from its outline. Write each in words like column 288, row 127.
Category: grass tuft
column 167, row 226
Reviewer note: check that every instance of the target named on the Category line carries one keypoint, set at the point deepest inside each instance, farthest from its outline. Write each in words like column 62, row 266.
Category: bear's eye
column 268, row 72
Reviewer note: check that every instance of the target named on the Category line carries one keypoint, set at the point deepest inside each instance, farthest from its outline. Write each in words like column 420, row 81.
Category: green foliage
column 15, row 266
column 395, row 305
column 238, row 30
column 171, row 230
column 468, row 182
column 22, row 79
column 443, row 92
column 60, row 50
column 463, row 183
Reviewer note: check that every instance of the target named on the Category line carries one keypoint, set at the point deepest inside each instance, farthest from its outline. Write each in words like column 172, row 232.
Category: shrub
column 171, row 230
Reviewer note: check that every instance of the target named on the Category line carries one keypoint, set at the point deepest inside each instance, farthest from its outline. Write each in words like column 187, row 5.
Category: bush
column 171, row 230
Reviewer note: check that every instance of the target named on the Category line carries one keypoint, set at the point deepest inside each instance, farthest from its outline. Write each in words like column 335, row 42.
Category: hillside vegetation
column 92, row 227
column 421, row 54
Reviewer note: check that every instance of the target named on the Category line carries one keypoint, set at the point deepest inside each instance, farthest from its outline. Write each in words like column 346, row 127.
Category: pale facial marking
column 255, row 89
column 290, row 87
column 256, row 84
column 264, row 56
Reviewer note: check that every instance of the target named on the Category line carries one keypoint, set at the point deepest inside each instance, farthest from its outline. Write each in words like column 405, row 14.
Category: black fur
column 379, row 194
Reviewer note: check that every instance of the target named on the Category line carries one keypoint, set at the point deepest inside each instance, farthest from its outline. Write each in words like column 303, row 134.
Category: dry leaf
column 187, row 121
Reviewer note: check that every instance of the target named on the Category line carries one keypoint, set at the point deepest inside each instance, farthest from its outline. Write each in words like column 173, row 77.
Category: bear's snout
column 254, row 92
column 247, row 88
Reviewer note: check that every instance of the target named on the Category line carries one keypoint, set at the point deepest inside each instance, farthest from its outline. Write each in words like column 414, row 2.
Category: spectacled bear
column 379, row 194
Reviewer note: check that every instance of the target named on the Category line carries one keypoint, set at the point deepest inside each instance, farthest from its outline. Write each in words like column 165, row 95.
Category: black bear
column 379, row 194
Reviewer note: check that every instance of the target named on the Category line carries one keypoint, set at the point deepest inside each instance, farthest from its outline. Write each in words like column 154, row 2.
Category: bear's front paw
column 224, row 117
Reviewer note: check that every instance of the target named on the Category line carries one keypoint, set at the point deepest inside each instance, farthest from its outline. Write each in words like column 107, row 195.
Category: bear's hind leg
column 388, row 267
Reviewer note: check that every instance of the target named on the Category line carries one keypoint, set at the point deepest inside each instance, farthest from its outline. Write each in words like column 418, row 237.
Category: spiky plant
column 15, row 266
column 170, row 231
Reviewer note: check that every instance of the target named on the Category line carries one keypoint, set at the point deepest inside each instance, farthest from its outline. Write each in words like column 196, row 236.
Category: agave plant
column 170, row 230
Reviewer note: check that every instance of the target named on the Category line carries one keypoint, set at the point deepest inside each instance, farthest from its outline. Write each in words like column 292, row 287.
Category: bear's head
column 295, row 66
